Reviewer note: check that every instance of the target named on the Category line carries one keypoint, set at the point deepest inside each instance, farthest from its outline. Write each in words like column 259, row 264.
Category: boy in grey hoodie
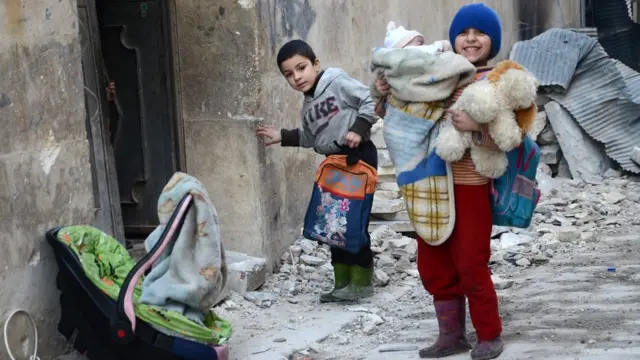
column 336, row 108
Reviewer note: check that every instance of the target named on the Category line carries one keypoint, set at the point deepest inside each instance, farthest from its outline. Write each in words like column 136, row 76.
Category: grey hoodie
column 337, row 105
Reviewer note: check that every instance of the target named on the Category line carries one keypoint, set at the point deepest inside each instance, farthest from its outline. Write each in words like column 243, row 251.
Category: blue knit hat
column 481, row 17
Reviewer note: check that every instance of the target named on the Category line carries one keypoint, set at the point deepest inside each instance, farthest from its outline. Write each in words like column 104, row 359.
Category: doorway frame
column 104, row 173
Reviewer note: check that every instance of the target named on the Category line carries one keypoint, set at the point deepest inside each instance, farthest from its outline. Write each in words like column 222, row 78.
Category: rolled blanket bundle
column 421, row 81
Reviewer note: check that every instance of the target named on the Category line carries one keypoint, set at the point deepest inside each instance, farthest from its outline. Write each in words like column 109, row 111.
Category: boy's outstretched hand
column 269, row 133
column 352, row 139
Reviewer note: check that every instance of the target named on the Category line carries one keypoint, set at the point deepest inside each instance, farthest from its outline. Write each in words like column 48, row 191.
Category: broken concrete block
column 388, row 186
column 387, row 206
column 539, row 124
column 500, row 283
column 245, row 273
column 563, row 169
column 550, row 154
column 384, row 159
column 585, row 156
column 635, row 155
column 312, row 260
column 386, row 170
column 377, row 136
column 261, row 299
column 397, row 348
column 387, row 195
column 547, row 136
column 380, row 278
column 399, row 216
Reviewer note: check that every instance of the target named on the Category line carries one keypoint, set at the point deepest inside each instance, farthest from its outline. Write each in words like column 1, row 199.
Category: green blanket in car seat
column 107, row 263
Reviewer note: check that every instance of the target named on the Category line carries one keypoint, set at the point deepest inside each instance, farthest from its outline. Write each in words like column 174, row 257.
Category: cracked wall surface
column 45, row 173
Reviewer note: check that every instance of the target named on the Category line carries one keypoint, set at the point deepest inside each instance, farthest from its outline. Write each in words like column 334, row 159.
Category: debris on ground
column 573, row 217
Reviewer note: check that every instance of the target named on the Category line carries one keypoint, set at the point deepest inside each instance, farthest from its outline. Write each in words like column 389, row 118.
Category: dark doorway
column 618, row 34
column 142, row 120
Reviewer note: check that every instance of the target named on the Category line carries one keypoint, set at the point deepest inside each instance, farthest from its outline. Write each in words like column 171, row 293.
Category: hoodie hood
column 328, row 76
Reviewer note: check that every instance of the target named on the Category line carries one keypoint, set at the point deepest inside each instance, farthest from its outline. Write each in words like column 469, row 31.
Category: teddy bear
column 506, row 102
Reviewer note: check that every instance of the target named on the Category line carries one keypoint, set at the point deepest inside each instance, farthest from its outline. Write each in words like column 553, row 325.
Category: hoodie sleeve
column 358, row 96
column 301, row 137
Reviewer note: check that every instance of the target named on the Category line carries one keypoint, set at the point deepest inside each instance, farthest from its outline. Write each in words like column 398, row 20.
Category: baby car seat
column 104, row 327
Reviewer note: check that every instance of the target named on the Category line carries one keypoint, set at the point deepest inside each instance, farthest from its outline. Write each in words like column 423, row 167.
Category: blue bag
column 341, row 203
column 514, row 194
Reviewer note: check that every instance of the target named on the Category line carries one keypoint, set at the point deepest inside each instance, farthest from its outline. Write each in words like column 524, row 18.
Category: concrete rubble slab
column 585, row 156
column 246, row 273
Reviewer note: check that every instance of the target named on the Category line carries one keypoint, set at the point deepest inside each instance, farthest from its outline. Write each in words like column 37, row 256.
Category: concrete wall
column 227, row 77
column 45, row 175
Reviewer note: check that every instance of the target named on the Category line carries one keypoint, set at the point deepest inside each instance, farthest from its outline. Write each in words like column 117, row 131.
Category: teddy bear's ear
column 391, row 26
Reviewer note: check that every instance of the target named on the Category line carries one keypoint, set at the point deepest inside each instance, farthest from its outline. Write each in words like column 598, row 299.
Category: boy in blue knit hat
column 458, row 269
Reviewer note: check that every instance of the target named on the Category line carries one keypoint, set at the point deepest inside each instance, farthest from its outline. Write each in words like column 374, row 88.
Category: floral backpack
column 341, row 202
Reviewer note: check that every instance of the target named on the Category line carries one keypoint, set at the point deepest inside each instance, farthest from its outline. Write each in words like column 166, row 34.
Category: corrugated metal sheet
column 553, row 56
column 630, row 7
column 602, row 94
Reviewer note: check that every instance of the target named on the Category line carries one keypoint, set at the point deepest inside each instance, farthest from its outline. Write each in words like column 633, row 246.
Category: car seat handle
column 123, row 326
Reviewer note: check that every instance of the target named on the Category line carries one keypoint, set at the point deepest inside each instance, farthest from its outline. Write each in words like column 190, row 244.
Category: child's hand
column 383, row 87
column 269, row 133
column 463, row 122
column 111, row 92
column 352, row 139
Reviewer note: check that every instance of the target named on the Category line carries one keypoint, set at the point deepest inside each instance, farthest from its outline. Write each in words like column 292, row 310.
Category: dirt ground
column 571, row 291
column 574, row 307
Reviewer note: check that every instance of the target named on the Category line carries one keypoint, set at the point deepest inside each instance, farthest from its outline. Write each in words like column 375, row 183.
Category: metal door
column 136, row 52
column 105, row 189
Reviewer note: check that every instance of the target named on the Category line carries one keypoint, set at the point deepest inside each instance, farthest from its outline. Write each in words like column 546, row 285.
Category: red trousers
column 460, row 266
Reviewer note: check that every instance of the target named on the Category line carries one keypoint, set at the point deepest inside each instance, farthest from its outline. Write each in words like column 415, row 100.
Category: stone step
column 397, row 226
column 386, row 178
column 386, row 170
column 388, row 186
column 550, row 154
column 387, row 195
column 378, row 140
column 384, row 159
column 399, row 216
column 387, row 206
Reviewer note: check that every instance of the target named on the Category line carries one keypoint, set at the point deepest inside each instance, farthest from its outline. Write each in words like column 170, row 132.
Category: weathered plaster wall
column 228, row 77
column 536, row 16
column 45, row 173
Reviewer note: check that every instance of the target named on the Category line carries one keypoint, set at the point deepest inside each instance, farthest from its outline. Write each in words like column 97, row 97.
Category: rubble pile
column 550, row 150
column 570, row 214
column 306, row 268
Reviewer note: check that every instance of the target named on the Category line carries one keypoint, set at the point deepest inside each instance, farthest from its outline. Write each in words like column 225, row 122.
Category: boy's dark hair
column 293, row 48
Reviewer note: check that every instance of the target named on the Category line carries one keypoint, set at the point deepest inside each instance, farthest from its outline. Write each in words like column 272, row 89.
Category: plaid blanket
column 425, row 180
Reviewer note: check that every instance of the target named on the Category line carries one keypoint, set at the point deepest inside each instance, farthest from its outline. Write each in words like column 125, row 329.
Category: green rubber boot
column 360, row 287
column 343, row 278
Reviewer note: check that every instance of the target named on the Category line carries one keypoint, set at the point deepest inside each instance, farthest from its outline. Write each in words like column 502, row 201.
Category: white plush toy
column 506, row 101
